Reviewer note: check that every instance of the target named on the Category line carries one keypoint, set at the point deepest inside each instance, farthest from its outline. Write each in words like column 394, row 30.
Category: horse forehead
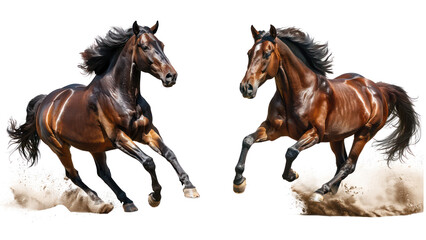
column 145, row 37
column 257, row 49
column 148, row 38
column 262, row 45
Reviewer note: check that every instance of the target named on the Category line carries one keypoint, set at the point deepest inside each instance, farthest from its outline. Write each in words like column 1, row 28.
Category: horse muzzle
column 248, row 90
column 169, row 80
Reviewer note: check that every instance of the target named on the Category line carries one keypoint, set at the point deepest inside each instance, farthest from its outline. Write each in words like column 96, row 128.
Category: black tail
column 26, row 135
column 408, row 125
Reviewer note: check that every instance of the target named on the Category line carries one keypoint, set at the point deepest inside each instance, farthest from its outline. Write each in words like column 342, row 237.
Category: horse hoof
column 316, row 197
column 106, row 208
column 296, row 175
column 240, row 188
column 152, row 202
column 292, row 175
column 129, row 207
column 191, row 193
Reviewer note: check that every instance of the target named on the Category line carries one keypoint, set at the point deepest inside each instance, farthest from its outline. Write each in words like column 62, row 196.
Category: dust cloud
column 53, row 192
column 369, row 193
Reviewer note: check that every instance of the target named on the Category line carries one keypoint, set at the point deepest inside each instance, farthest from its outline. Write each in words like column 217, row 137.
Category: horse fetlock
column 325, row 188
column 239, row 168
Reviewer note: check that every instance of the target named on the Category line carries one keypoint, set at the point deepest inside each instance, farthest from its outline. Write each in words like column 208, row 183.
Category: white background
column 203, row 118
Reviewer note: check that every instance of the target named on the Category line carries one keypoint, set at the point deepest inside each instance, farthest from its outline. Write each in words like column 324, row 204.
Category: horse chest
column 139, row 121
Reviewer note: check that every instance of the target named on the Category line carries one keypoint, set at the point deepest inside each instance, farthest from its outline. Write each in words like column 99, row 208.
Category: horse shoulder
column 276, row 112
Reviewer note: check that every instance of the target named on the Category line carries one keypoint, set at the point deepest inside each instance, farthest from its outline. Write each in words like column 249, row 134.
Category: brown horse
column 311, row 109
column 107, row 114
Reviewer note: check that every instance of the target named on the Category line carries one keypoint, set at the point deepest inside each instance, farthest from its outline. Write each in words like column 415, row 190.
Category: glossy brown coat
column 107, row 114
column 311, row 109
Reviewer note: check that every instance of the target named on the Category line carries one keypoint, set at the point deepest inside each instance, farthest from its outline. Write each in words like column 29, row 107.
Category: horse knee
column 291, row 153
column 248, row 141
column 169, row 154
column 149, row 164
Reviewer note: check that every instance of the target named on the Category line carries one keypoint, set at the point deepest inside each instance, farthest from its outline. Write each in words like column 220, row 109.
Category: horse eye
column 266, row 55
column 144, row 47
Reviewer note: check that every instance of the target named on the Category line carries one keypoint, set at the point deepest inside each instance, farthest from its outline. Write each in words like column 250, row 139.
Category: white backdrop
column 203, row 118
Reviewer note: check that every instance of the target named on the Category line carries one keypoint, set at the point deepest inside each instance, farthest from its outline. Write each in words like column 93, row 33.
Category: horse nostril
column 241, row 88
column 250, row 88
column 169, row 77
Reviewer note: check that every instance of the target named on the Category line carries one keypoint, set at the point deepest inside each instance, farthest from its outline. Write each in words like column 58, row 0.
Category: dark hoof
column 129, row 207
column 292, row 175
column 152, row 202
column 316, row 197
column 191, row 193
column 241, row 187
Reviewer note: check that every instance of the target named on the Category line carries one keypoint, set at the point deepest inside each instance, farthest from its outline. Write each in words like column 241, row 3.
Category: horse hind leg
column 339, row 151
column 64, row 156
column 374, row 124
column 105, row 174
column 347, row 168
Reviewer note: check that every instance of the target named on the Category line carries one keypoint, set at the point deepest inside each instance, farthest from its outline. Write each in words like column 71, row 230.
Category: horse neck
column 124, row 77
column 293, row 77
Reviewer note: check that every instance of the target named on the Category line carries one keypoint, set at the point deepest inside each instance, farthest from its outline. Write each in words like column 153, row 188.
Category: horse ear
column 136, row 29
column 254, row 32
column 154, row 28
column 273, row 31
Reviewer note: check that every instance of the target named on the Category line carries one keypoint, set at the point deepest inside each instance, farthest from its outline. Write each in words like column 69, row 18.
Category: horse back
column 354, row 101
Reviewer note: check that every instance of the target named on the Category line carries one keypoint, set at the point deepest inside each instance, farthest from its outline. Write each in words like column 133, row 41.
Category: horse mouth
column 168, row 84
column 249, row 96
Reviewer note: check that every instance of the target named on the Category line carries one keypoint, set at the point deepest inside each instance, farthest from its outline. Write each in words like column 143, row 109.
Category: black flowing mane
column 98, row 57
column 314, row 55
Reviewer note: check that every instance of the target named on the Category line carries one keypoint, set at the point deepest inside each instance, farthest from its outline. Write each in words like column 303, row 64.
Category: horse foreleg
column 105, row 174
column 263, row 133
column 125, row 144
column 154, row 140
column 308, row 139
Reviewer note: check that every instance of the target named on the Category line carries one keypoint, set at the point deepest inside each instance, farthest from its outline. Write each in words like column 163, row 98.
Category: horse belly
column 346, row 118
